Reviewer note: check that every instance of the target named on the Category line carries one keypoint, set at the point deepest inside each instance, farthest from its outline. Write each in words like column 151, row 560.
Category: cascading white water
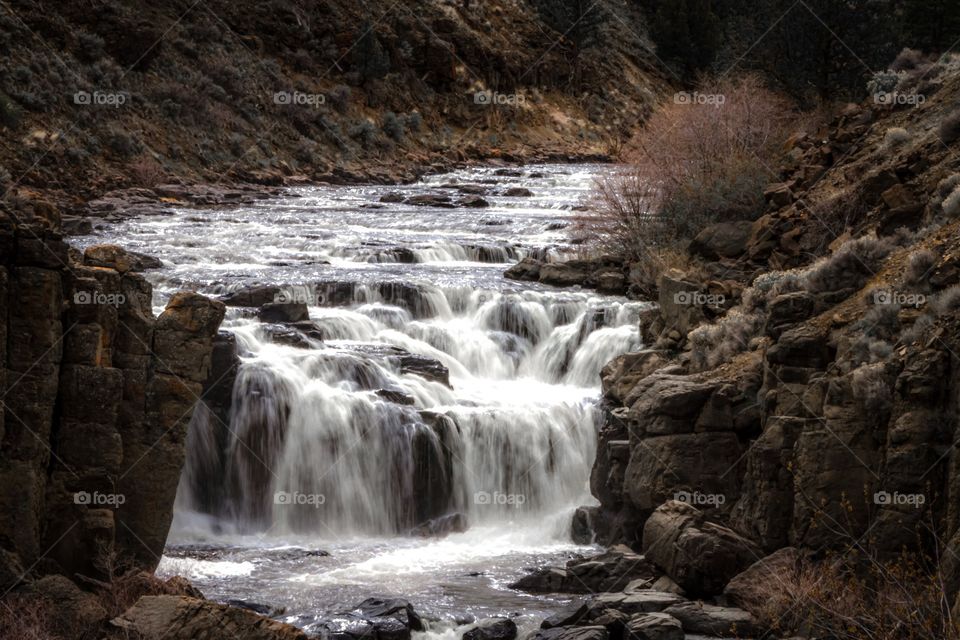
column 373, row 451
column 513, row 439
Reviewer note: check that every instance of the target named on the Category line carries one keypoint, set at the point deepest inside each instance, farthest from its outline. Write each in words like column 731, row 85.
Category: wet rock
column 252, row 296
column 655, row 626
column 380, row 618
column 395, row 396
column 564, row 274
column 698, row 555
column 526, row 269
column 493, row 629
column 581, row 531
column 518, row 192
column 183, row 618
column 284, row 312
column 424, row 367
column 475, row 202
column 609, row 571
column 393, row 198
column 442, row 526
column 711, row 620
column 430, row 200
column 510, row 173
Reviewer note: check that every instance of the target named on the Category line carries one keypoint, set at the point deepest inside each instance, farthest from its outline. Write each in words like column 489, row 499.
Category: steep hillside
column 120, row 93
column 802, row 383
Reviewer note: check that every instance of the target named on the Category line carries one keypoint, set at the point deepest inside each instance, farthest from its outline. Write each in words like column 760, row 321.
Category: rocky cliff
column 801, row 381
column 97, row 394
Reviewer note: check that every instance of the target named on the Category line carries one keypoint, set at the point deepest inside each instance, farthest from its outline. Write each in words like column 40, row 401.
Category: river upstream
column 337, row 451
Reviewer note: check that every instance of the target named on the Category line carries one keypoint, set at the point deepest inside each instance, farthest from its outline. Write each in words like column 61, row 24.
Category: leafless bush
column 908, row 59
column 147, row 172
column 27, row 617
column 858, row 597
column 693, row 164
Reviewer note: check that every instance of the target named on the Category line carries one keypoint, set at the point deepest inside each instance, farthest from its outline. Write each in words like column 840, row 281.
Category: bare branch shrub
column 693, row 164
column 858, row 597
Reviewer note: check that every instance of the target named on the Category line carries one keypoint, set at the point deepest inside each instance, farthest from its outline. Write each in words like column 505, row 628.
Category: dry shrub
column 850, row 266
column 919, row 267
column 27, row 617
column 124, row 591
column 693, row 164
column 858, row 598
column 950, row 127
column 896, row 137
column 714, row 344
column 147, row 172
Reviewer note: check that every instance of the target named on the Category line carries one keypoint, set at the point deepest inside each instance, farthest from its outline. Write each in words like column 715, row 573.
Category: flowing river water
column 313, row 496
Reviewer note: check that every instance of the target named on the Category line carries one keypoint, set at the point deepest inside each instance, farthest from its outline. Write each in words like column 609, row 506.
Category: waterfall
column 350, row 439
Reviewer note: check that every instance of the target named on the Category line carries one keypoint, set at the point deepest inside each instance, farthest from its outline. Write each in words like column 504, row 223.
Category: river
column 334, row 447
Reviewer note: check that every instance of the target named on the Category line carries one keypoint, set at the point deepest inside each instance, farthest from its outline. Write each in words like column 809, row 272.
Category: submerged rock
column 493, row 629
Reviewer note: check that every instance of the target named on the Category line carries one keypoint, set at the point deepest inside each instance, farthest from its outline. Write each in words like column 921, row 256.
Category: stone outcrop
column 171, row 617
column 699, row 555
column 97, row 394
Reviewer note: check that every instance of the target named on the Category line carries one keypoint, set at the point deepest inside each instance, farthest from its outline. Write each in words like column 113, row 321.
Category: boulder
column 634, row 602
column 475, row 202
column 526, row 269
column 518, row 192
column 563, row 274
column 284, row 312
column 430, row 200
column 655, row 626
column 592, row 632
column 752, row 586
column 788, row 309
column 711, row 620
column 184, row 618
column 444, row 525
column 722, row 240
column 251, row 296
column 118, row 259
column 566, row 617
column 612, row 570
column 493, row 629
column 698, row 555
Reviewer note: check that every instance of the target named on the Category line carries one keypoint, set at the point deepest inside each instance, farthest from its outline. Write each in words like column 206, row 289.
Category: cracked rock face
column 97, row 395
